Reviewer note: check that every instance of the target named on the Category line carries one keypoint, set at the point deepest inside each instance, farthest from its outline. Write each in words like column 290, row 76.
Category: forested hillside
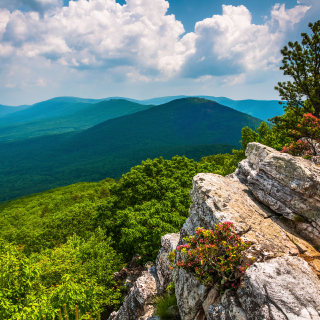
column 45, row 109
column 189, row 126
column 68, row 242
column 83, row 116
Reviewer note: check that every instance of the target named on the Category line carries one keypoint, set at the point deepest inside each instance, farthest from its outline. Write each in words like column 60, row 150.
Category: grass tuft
column 163, row 303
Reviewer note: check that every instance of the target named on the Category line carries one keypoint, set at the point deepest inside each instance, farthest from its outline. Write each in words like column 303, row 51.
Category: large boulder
column 217, row 199
column 229, row 308
column 282, row 288
column 288, row 185
column 190, row 294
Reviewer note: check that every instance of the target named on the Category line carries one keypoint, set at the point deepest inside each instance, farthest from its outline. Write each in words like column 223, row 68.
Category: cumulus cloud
column 98, row 33
column 230, row 43
column 137, row 41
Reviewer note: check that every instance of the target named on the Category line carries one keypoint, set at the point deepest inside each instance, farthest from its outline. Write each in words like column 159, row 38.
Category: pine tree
column 302, row 95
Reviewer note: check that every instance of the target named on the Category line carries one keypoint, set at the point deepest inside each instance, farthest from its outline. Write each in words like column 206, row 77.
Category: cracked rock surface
column 138, row 303
column 281, row 288
column 288, row 185
column 168, row 243
column 276, row 248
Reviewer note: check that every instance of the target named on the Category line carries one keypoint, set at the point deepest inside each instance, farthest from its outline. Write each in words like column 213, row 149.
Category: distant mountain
column 47, row 109
column 62, row 106
column 262, row 109
column 7, row 109
column 191, row 126
column 86, row 116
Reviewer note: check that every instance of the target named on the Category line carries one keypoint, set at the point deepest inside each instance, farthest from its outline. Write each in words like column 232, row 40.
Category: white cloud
column 135, row 42
column 235, row 79
column 99, row 33
column 232, row 44
column 287, row 18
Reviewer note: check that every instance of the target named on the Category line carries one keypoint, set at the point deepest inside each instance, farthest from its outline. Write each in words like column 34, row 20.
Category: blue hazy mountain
column 262, row 109
column 7, row 109
column 62, row 106
column 86, row 115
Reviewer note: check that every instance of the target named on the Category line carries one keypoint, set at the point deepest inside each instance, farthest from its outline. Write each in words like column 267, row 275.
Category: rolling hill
column 46, row 109
column 193, row 127
column 7, row 109
column 262, row 109
column 87, row 116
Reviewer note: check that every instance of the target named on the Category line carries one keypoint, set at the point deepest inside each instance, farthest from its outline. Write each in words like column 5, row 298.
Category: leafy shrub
column 148, row 202
column 77, row 273
column 213, row 256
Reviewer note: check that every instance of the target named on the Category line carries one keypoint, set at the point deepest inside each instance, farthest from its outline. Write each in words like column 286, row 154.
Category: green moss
column 299, row 219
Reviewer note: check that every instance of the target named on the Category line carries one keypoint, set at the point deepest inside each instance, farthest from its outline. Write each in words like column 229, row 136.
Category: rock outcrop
column 273, row 199
column 281, row 288
column 138, row 304
column 168, row 243
column 288, row 185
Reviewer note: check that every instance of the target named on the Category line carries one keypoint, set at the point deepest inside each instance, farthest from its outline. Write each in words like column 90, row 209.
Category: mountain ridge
column 111, row 148
column 262, row 109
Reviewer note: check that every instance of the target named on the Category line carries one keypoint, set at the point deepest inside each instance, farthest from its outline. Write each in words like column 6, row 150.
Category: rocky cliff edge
column 274, row 200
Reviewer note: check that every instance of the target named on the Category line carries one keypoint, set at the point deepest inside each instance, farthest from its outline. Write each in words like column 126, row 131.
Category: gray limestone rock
column 211, row 299
column 281, row 288
column 138, row 303
column 168, row 242
column 288, row 185
column 189, row 292
column 217, row 199
column 279, row 285
column 228, row 309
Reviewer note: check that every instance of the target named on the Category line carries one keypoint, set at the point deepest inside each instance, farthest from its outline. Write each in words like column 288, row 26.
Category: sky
column 143, row 49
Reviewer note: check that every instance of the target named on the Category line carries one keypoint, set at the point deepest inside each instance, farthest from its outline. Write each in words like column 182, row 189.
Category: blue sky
column 145, row 48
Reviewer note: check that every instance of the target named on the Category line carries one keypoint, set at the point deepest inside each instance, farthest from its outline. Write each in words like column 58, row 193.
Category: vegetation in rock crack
column 167, row 304
column 213, row 256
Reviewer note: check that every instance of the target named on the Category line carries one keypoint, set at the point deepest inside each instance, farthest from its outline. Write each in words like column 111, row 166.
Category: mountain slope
column 47, row 109
column 189, row 126
column 84, row 118
column 7, row 109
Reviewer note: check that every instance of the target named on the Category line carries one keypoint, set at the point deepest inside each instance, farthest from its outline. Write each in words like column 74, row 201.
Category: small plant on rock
column 166, row 305
column 213, row 256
